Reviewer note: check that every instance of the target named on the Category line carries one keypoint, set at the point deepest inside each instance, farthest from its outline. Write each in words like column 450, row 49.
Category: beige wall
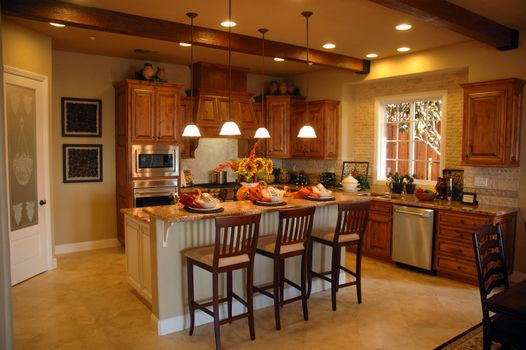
column 86, row 211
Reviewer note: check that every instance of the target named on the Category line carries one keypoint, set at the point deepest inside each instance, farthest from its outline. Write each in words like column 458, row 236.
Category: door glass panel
column 21, row 156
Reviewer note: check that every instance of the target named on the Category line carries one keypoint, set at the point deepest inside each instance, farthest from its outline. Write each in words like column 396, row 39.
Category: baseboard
column 87, row 245
column 517, row 277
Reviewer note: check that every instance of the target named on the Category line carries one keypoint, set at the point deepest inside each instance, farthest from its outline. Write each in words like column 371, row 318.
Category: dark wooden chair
column 292, row 239
column 235, row 246
column 349, row 230
column 493, row 275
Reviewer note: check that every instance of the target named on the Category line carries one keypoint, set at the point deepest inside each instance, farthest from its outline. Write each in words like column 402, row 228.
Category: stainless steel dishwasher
column 413, row 237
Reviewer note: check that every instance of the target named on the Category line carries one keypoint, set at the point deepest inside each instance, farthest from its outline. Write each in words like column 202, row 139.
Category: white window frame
column 380, row 103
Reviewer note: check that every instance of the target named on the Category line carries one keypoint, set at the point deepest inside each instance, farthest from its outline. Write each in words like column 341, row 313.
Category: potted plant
column 395, row 182
column 410, row 186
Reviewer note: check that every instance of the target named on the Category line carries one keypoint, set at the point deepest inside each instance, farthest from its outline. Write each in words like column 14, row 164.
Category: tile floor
column 87, row 304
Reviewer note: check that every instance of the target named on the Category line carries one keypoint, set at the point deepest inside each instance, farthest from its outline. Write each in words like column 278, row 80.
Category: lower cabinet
column 138, row 263
column 454, row 252
column 378, row 236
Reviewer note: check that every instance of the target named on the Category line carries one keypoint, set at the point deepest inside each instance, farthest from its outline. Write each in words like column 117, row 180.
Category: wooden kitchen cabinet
column 324, row 118
column 378, row 235
column 279, row 111
column 244, row 146
column 492, row 123
column 187, row 145
column 148, row 111
column 454, row 253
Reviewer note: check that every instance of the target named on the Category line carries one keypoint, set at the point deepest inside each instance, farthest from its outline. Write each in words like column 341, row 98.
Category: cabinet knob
column 42, row 202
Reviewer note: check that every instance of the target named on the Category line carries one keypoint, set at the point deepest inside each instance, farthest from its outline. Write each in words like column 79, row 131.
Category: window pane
column 435, row 171
column 390, row 166
column 420, row 151
column 390, row 150
column 403, row 150
column 403, row 167
column 427, row 121
column 391, row 131
column 397, row 112
column 420, row 170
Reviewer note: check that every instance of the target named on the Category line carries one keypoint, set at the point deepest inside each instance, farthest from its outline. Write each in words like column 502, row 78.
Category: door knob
column 42, row 202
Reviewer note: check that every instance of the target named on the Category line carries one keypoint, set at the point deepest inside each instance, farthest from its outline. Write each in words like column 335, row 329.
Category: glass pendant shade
column 262, row 133
column 191, row 130
column 307, row 132
column 230, row 129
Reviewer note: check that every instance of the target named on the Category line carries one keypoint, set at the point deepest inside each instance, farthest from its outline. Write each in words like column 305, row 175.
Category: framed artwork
column 469, row 198
column 81, row 163
column 355, row 168
column 81, row 117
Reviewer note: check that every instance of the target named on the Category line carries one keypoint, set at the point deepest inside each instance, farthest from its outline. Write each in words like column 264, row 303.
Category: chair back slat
column 236, row 235
column 352, row 218
column 489, row 257
column 295, row 226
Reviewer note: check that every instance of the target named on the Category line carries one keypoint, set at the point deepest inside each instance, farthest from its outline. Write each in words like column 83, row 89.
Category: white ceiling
column 355, row 26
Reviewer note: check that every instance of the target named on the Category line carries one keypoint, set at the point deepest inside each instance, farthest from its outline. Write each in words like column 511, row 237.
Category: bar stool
column 349, row 230
column 292, row 239
column 235, row 246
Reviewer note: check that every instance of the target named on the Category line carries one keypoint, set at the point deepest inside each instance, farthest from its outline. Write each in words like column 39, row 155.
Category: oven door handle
column 153, row 193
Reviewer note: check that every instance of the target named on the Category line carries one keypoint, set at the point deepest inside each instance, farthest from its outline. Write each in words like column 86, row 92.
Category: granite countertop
column 138, row 213
column 176, row 213
column 483, row 209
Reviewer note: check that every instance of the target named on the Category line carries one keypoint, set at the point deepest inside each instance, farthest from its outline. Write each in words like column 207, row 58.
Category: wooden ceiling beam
column 153, row 28
column 453, row 17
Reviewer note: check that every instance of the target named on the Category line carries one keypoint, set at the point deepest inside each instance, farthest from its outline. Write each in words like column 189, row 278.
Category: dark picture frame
column 81, row 163
column 81, row 117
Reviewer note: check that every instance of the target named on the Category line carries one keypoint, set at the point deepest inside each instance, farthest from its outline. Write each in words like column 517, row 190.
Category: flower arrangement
column 249, row 169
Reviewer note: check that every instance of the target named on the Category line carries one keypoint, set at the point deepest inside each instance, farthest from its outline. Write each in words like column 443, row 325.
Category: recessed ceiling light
column 279, row 59
column 228, row 24
column 403, row 49
column 371, row 55
column 185, row 44
column 329, row 46
column 60, row 25
column 403, row 26
column 91, row 38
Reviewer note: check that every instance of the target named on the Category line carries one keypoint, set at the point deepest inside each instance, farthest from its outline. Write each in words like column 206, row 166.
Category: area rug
column 467, row 340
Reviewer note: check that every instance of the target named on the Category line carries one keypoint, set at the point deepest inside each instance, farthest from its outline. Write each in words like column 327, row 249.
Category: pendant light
column 230, row 127
column 191, row 130
column 262, row 132
column 306, row 130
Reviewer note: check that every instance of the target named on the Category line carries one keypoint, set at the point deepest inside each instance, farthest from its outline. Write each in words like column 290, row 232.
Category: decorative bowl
column 276, row 198
column 425, row 196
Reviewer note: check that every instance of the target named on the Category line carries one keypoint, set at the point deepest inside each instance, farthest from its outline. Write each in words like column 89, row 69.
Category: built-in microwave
column 155, row 160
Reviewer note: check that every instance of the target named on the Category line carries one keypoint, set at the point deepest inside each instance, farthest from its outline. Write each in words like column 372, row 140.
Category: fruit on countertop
column 199, row 200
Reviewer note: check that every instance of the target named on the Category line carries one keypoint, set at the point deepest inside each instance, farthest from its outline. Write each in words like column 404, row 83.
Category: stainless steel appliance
column 148, row 193
column 413, row 237
column 155, row 160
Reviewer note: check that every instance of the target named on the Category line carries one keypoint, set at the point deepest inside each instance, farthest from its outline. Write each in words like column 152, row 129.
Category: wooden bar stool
column 349, row 230
column 235, row 246
column 292, row 239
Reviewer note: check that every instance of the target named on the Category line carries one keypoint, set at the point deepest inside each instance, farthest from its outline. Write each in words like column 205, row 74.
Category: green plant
column 395, row 178
column 409, row 179
column 362, row 182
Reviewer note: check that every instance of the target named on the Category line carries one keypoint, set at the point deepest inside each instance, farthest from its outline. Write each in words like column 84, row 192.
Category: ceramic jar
column 147, row 71
column 349, row 184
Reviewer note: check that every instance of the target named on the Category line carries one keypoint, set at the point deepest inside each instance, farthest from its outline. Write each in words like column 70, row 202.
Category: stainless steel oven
column 155, row 160
column 148, row 193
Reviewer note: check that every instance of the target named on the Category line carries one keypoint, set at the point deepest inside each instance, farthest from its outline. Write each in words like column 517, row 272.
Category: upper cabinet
column 147, row 112
column 324, row 118
column 279, row 111
column 492, row 123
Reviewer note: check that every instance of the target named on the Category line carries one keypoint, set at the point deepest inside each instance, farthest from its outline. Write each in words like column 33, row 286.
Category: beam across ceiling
column 448, row 15
column 154, row 28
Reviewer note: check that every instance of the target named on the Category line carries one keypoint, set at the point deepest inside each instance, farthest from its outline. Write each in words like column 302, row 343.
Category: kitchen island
column 157, row 269
column 161, row 234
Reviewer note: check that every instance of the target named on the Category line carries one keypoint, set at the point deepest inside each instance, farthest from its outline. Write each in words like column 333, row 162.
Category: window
column 410, row 136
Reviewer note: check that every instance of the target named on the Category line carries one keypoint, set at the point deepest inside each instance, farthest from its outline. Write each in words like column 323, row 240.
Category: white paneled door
column 26, row 113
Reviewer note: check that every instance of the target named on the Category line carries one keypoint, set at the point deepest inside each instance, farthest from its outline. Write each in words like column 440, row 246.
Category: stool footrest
column 241, row 300
column 291, row 300
column 352, row 273
column 210, row 303
column 347, row 284
column 289, row 282
column 234, row 318
column 322, row 275
column 264, row 292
